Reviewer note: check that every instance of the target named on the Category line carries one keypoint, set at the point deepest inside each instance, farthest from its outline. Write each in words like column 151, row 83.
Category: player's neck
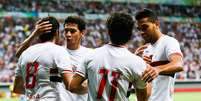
column 157, row 37
column 55, row 41
column 73, row 47
column 121, row 46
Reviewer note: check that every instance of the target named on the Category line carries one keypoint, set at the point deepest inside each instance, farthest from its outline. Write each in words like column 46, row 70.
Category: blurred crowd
column 14, row 30
column 96, row 7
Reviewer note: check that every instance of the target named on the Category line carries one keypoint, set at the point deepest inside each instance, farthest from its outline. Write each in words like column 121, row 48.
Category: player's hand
column 42, row 27
column 148, row 59
column 139, row 51
column 150, row 73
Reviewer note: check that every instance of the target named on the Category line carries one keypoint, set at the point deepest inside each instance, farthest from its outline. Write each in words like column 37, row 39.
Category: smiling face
column 72, row 35
column 148, row 29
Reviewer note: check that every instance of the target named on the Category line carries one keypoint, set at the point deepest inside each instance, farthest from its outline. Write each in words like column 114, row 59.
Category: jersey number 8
column 31, row 72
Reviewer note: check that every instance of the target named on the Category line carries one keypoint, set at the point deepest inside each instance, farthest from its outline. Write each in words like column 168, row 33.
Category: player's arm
column 174, row 66
column 174, row 56
column 76, row 84
column 143, row 94
column 19, row 85
column 67, row 77
column 39, row 28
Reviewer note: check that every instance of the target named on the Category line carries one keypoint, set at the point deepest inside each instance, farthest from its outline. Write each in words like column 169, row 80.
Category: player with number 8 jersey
column 110, row 68
column 43, row 66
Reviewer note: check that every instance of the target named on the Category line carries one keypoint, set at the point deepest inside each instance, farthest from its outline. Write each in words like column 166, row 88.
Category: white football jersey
column 76, row 56
column 163, row 85
column 109, row 70
column 35, row 65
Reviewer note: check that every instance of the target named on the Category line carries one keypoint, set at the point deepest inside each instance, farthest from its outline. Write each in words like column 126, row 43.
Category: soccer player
column 162, row 52
column 42, row 67
column 74, row 30
column 110, row 68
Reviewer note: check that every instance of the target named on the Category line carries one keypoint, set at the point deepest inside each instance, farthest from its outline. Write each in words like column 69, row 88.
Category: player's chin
column 69, row 40
column 146, row 39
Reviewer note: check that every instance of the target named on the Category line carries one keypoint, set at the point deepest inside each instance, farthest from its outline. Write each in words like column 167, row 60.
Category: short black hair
column 76, row 20
column 55, row 27
column 146, row 13
column 120, row 27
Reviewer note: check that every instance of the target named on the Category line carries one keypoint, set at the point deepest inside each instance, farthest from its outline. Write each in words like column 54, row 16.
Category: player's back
column 36, row 63
column 109, row 71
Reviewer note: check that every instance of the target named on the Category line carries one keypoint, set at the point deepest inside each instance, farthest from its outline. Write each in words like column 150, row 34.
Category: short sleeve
column 81, row 69
column 62, row 61
column 138, row 68
column 172, row 47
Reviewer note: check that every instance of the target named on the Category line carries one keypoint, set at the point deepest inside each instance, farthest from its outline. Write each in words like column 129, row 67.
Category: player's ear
column 57, row 37
column 157, row 23
column 83, row 32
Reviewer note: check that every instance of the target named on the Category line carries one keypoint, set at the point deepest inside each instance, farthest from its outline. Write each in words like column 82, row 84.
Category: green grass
column 195, row 96
column 187, row 96
column 9, row 99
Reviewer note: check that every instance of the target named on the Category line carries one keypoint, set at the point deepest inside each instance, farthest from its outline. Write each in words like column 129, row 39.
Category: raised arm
column 39, row 29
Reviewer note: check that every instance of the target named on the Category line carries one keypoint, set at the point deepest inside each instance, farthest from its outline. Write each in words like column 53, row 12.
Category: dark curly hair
column 55, row 27
column 120, row 27
column 76, row 20
column 146, row 13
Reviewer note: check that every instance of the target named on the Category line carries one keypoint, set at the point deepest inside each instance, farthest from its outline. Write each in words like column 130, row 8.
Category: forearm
column 78, row 85
column 142, row 94
column 79, row 90
column 67, row 77
column 170, row 68
column 18, row 86
column 25, row 44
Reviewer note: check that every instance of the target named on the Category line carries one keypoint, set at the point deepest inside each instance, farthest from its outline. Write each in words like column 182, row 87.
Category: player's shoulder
column 31, row 48
column 86, row 49
column 135, row 57
column 138, row 65
column 170, row 39
column 100, row 50
column 92, row 53
column 60, row 48
column 52, row 48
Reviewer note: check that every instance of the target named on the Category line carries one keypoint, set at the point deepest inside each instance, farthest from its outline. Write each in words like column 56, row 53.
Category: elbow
column 15, row 91
column 180, row 69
